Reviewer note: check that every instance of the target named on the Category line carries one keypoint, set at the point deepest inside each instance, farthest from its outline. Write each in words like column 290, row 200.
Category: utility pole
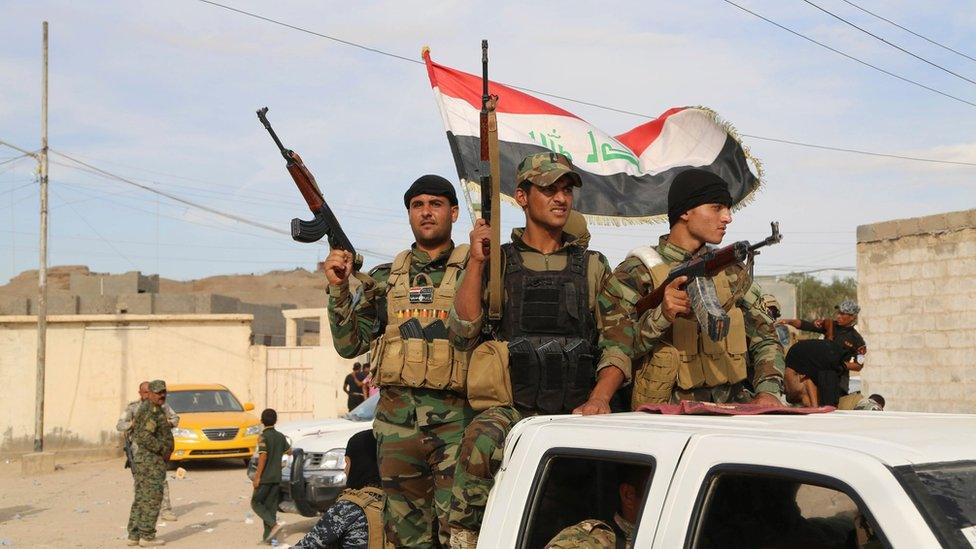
column 42, row 268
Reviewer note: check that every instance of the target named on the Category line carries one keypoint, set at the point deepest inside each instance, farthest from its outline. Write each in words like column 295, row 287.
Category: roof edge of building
column 913, row 226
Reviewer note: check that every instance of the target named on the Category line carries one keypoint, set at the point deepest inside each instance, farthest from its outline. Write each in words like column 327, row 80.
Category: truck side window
column 773, row 511
column 569, row 489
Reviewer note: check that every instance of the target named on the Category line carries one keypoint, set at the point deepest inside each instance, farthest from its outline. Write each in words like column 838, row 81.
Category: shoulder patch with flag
column 625, row 178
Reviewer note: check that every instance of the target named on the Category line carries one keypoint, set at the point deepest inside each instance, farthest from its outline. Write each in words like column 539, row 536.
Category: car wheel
column 172, row 465
column 246, row 462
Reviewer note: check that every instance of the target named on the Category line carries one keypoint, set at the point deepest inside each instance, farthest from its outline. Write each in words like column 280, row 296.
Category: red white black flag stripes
column 625, row 178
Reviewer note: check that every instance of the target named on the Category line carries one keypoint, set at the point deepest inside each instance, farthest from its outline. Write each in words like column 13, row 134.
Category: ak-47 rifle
column 129, row 456
column 324, row 223
column 491, row 189
column 710, row 314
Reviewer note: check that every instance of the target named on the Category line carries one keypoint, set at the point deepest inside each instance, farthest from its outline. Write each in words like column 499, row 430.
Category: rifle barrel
column 262, row 116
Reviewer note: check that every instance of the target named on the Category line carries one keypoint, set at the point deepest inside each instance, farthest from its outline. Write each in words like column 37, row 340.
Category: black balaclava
column 361, row 451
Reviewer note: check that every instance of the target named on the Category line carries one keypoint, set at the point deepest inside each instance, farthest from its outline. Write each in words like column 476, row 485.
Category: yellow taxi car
column 213, row 423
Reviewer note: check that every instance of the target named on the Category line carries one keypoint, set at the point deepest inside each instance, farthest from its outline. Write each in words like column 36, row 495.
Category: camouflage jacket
column 588, row 534
column 151, row 431
column 124, row 425
column 465, row 334
column 637, row 337
column 357, row 319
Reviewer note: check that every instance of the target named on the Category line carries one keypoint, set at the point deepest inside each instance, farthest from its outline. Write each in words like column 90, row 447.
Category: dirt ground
column 87, row 505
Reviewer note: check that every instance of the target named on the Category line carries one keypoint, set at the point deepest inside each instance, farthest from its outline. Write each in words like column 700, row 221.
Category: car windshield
column 946, row 495
column 203, row 401
column 365, row 411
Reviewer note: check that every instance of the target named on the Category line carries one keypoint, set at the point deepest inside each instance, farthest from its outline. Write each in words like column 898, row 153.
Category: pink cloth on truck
column 690, row 407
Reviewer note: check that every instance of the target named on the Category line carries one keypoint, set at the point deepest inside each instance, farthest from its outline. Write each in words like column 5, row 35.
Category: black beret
column 433, row 185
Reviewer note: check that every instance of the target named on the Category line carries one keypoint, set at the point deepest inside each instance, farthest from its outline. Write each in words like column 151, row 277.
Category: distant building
column 135, row 293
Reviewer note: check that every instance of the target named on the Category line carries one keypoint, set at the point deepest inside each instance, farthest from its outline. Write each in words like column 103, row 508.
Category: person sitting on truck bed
column 549, row 320
column 619, row 533
column 673, row 358
column 355, row 520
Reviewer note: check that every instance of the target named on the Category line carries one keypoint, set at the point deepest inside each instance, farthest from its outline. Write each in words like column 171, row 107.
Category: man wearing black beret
column 399, row 314
column 673, row 359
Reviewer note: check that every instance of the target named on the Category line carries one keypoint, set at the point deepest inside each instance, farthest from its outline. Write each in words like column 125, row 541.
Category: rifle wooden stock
column 305, row 182
column 491, row 197
column 324, row 224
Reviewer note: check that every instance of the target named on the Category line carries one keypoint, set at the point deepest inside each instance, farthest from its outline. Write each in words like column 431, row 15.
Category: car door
column 519, row 512
column 758, row 492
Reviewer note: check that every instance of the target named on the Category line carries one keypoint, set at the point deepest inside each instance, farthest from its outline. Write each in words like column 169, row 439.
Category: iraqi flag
column 625, row 178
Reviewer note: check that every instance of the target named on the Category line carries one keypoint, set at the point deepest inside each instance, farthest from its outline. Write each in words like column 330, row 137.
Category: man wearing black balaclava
column 355, row 520
column 673, row 359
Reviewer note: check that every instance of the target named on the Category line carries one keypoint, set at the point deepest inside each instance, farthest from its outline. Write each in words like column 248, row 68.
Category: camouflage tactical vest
column 551, row 333
column 685, row 356
column 371, row 501
column 415, row 361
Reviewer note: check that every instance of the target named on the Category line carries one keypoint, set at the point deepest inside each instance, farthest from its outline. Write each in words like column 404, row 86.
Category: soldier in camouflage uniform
column 551, row 285
column 674, row 359
column 619, row 533
column 124, row 426
column 153, row 436
column 422, row 410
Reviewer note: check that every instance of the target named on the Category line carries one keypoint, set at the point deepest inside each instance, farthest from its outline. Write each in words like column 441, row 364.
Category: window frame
column 806, row 477
column 541, row 474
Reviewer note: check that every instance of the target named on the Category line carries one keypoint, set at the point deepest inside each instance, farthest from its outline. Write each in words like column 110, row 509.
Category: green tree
column 816, row 299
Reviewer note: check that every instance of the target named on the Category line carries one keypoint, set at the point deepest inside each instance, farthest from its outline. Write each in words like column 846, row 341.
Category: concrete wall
column 917, row 291
column 132, row 282
column 95, row 362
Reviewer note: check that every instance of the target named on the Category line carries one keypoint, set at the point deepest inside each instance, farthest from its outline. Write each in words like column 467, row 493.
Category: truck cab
column 840, row 479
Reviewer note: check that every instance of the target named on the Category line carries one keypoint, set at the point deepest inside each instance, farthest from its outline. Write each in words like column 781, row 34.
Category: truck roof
column 895, row 438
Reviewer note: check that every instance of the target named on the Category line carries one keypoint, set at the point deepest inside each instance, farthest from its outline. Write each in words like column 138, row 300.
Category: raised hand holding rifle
column 343, row 260
column 490, row 190
column 681, row 293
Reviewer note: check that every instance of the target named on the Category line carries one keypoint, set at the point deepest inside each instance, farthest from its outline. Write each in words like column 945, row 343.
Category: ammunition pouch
column 414, row 350
column 488, row 381
column 551, row 375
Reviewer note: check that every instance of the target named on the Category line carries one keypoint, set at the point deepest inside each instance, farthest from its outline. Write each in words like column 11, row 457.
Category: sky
column 164, row 94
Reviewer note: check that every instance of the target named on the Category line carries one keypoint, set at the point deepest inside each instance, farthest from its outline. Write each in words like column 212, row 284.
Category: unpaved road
column 87, row 505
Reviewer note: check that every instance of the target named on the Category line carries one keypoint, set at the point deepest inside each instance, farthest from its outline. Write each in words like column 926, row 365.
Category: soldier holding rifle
column 703, row 357
column 548, row 329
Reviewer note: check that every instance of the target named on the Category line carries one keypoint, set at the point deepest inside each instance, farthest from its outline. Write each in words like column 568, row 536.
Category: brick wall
column 917, row 291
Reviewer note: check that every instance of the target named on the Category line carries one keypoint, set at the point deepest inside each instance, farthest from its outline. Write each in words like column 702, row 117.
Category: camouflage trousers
column 482, row 449
column 417, row 471
column 150, row 477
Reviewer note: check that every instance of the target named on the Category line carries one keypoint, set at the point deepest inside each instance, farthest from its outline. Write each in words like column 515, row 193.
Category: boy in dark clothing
column 272, row 445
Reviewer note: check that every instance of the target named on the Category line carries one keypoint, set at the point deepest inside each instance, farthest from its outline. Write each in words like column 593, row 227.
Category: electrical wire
column 849, row 56
column 909, row 31
column 626, row 111
column 891, row 44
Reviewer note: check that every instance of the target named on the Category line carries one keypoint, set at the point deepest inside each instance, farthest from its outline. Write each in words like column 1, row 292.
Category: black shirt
column 848, row 341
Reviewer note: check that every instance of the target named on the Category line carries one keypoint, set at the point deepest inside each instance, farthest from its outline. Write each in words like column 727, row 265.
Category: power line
column 635, row 113
column 909, row 31
column 893, row 45
column 858, row 151
column 192, row 204
column 94, row 230
column 849, row 56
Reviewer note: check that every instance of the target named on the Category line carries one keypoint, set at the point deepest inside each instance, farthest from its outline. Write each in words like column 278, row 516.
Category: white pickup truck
column 840, row 479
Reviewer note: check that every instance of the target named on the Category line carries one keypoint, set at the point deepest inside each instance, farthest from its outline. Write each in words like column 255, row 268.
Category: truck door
column 566, row 473
column 742, row 491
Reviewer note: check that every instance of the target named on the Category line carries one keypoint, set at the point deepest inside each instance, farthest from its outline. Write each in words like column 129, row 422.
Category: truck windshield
column 946, row 495
column 184, row 402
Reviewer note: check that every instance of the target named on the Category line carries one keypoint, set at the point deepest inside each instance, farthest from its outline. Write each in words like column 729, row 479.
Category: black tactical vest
column 551, row 333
